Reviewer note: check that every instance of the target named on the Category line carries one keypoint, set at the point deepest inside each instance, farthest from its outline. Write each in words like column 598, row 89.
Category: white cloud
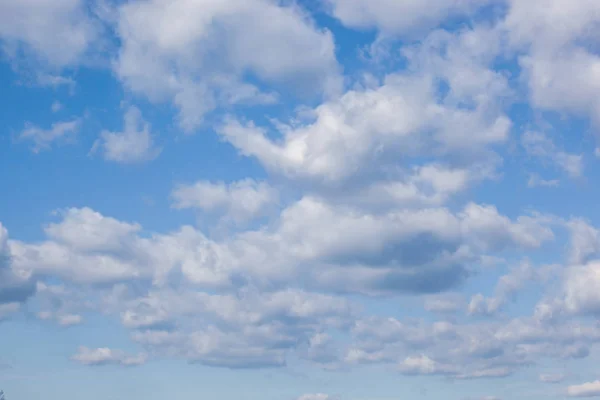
column 105, row 356
column 584, row 242
column 180, row 61
column 56, row 31
column 395, row 250
column 581, row 288
column 239, row 201
column 589, row 389
column 373, row 135
column 424, row 365
column 399, row 17
column 135, row 144
column 43, row 139
column 555, row 40
column 359, row 130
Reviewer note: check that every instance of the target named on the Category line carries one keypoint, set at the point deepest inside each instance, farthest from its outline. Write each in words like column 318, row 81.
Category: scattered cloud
column 43, row 139
column 134, row 144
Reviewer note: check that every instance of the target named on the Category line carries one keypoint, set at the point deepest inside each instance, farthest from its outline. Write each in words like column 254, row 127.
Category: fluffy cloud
column 180, row 61
column 105, row 356
column 393, row 17
column 590, row 389
column 135, row 144
column 239, row 201
column 585, row 241
column 397, row 251
column 374, row 193
column 43, row 139
column 348, row 135
column 56, row 31
column 558, row 63
column 581, row 288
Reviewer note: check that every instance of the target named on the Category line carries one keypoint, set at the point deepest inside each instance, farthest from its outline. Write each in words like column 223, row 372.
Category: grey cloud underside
column 15, row 287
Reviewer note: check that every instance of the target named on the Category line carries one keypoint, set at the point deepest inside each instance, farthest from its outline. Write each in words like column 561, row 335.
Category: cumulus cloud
column 43, row 139
column 558, row 64
column 181, row 63
column 406, row 250
column 57, row 32
column 399, row 17
column 581, row 288
column 106, row 356
column 134, row 144
column 239, row 201
column 584, row 242
column 349, row 133
column 590, row 389
column 372, row 193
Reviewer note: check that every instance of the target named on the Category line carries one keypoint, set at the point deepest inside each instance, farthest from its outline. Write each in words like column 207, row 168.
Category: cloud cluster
column 198, row 62
column 369, row 194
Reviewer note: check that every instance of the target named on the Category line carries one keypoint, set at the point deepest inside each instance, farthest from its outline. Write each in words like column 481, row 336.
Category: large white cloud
column 58, row 32
column 195, row 53
column 556, row 40
column 400, row 17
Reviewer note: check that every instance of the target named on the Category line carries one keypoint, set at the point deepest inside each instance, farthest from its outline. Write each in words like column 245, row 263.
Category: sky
column 299, row 199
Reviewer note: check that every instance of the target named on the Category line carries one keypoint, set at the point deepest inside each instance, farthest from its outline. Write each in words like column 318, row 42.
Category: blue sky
column 299, row 200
